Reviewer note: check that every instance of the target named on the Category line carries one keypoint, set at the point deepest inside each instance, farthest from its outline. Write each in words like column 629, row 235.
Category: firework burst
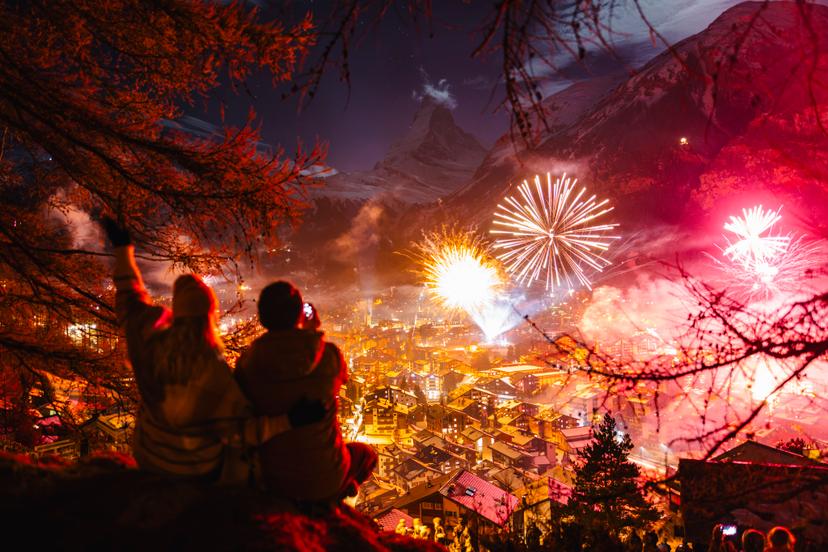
column 551, row 233
column 785, row 271
column 458, row 271
column 755, row 243
column 762, row 263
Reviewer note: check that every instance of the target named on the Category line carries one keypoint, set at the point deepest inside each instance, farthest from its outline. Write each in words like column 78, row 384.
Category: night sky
column 393, row 62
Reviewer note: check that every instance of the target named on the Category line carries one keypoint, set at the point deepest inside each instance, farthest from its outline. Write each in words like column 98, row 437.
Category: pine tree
column 607, row 496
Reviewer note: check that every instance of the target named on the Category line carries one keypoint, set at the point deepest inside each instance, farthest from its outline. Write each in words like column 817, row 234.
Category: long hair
column 181, row 349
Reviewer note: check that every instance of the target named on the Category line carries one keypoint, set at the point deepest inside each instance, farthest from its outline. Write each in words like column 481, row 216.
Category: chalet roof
column 517, row 436
column 472, row 433
column 462, row 403
column 460, row 390
column 412, row 467
column 483, row 391
column 551, row 415
column 507, row 420
column 433, row 440
column 480, row 496
column 392, row 388
column 517, row 368
column 577, row 437
column 443, row 372
column 757, row 453
column 433, row 455
column 457, row 448
column 423, row 435
column 577, row 433
column 432, row 486
column 374, row 489
column 383, row 403
column 510, row 404
column 391, row 448
column 506, row 450
column 522, row 440
column 498, row 385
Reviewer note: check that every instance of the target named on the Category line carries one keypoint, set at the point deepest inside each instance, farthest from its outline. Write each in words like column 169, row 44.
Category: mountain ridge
column 430, row 160
column 735, row 83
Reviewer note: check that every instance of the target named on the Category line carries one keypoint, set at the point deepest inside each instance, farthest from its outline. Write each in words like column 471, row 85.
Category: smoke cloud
column 439, row 93
column 363, row 235
column 654, row 305
column 360, row 244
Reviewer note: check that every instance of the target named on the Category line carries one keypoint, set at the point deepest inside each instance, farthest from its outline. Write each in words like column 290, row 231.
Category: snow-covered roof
column 480, row 496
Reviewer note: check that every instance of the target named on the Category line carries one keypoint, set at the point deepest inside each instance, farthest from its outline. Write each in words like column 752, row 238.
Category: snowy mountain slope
column 742, row 93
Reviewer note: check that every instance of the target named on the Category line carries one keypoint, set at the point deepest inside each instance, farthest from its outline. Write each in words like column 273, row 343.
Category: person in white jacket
column 193, row 419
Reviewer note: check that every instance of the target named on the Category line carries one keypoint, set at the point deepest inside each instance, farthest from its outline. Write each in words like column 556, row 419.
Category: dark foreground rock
column 105, row 503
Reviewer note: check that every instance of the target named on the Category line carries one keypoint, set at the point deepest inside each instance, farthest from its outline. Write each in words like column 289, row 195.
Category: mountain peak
column 432, row 112
column 435, row 150
column 432, row 159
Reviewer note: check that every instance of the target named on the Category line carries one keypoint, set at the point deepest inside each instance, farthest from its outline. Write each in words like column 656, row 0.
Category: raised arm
column 135, row 313
column 133, row 307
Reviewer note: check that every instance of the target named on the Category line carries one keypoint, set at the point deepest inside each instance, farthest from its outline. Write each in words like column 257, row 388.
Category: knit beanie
column 192, row 297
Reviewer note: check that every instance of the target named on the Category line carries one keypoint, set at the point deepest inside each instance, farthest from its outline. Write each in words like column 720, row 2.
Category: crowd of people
column 724, row 538
column 271, row 423
column 778, row 539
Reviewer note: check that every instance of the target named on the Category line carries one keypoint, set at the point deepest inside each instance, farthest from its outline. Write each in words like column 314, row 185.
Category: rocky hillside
column 104, row 504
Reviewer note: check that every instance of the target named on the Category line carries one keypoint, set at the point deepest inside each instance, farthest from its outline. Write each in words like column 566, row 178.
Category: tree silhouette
column 607, row 496
column 92, row 93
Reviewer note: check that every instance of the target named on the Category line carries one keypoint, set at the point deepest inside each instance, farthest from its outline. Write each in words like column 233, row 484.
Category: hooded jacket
column 280, row 367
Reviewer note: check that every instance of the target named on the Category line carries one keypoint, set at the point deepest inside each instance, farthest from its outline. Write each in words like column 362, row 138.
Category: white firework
column 550, row 233
column 786, row 271
column 754, row 243
column 763, row 263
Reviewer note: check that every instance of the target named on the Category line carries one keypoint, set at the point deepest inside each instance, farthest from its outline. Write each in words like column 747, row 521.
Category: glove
column 117, row 234
column 306, row 412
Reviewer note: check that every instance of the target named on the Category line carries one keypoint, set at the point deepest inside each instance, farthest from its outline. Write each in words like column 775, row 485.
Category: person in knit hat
column 193, row 419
